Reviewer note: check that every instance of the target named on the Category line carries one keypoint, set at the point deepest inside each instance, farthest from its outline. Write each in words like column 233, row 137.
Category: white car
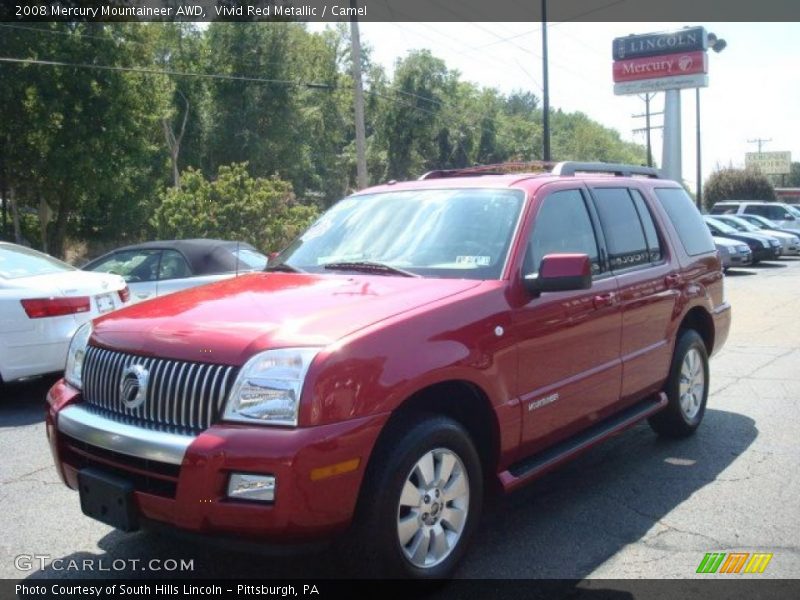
column 42, row 302
column 785, row 216
column 154, row 269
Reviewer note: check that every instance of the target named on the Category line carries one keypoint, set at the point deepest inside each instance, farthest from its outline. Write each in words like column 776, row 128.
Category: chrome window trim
column 87, row 426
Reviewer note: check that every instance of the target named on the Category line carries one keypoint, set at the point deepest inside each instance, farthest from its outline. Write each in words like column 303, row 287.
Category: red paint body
column 387, row 338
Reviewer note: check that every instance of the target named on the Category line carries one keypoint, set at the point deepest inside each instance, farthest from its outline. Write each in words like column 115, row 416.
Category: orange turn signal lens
column 336, row 469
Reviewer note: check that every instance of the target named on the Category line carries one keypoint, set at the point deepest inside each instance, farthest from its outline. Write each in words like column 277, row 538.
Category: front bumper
column 180, row 480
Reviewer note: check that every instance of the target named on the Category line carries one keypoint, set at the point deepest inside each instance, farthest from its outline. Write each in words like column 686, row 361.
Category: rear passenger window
column 650, row 232
column 562, row 226
column 692, row 231
column 622, row 227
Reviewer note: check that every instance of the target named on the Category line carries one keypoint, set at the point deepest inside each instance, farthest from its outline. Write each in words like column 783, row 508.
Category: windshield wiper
column 284, row 267
column 368, row 266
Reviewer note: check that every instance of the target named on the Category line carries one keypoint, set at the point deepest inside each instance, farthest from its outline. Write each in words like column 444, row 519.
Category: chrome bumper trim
column 92, row 428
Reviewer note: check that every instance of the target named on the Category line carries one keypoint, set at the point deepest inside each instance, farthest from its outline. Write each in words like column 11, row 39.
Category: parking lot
column 635, row 507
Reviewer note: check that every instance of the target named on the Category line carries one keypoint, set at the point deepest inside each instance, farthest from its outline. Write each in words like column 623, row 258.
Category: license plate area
column 105, row 303
column 108, row 498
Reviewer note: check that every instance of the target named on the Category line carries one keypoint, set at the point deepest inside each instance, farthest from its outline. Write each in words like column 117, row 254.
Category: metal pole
column 671, row 159
column 699, row 198
column 361, row 143
column 647, row 127
column 545, row 89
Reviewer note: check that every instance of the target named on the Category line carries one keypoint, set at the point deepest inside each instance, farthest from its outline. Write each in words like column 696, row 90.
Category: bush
column 737, row 184
column 235, row 206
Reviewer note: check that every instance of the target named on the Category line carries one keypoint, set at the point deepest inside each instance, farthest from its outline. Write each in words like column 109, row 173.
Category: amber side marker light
column 335, row 469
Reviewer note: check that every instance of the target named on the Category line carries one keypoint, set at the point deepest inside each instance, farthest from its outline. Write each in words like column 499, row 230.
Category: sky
column 753, row 92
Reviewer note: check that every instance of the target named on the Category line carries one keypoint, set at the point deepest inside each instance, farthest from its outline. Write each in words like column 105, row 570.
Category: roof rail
column 618, row 170
column 536, row 166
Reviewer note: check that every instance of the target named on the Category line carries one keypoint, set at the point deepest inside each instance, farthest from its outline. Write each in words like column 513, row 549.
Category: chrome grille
column 183, row 394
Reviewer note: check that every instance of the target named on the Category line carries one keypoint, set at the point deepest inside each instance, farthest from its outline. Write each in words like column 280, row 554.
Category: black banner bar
column 399, row 10
column 710, row 587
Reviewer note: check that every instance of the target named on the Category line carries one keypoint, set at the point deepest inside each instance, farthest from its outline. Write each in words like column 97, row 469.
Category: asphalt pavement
column 634, row 507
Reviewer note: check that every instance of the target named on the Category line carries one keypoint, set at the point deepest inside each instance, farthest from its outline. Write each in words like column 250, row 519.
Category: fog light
column 256, row 488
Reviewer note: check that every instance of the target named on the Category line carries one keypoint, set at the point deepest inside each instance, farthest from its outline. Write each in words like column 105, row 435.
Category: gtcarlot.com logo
column 734, row 562
column 30, row 562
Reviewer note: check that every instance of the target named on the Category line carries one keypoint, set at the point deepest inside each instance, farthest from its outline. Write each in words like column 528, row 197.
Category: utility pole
column 545, row 89
column 760, row 142
column 647, row 127
column 358, row 91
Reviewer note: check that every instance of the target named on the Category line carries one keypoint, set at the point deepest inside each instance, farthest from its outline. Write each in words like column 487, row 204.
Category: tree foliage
column 236, row 206
column 737, row 184
column 96, row 151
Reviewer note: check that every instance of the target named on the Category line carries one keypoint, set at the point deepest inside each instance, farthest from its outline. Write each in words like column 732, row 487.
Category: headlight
column 267, row 389
column 723, row 250
column 76, row 354
column 744, row 248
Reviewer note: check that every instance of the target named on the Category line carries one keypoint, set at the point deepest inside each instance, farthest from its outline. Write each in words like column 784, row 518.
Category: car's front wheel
column 422, row 501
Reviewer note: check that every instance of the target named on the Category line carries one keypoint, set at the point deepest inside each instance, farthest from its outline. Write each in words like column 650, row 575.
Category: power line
column 150, row 71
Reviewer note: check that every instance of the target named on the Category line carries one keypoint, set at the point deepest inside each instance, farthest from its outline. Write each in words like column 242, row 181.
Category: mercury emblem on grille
column 133, row 386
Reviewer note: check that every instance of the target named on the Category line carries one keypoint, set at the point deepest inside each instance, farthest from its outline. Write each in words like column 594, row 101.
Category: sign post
column 666, row 61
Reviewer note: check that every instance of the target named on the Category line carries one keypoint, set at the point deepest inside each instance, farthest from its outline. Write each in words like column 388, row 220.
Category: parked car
column 766, row 226
column 784, row 215
column 420, row 343
column 790, row 243
column 42, row 302
column 154, row 269
column 764, row 247
column 733, row 253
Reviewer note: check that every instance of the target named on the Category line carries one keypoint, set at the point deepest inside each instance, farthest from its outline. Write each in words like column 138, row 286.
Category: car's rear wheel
column 421, row 503
column 686, row 388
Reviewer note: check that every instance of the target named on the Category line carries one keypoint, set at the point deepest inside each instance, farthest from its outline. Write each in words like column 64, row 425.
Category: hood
column 67, row 283
column 228, row 321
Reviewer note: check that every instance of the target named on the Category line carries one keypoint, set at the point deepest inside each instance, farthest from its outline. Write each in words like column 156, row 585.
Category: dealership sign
column 652, row 44
column 769, row 163
column 656, row 62
column 668, row 65
column 640, row 86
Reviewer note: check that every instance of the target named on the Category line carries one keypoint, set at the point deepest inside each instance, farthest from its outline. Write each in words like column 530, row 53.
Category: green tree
column 81, row 143
column 733, row 184
column 236, row 206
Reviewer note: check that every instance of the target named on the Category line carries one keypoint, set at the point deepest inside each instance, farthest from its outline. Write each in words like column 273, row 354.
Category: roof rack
column 536, row 166
column 618, row 170
column 566, row 168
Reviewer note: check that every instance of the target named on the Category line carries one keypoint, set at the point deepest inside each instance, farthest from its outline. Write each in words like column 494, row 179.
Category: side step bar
column 534, row 466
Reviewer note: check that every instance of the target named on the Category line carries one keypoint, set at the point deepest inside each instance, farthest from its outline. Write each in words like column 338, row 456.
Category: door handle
column 602, row 300
column 673, row 280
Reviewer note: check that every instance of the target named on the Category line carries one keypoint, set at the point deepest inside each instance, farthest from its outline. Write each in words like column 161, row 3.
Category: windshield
column 18, row 261
column 759, row 222
column 739, row 224
column 722, row 227
column 456, row 233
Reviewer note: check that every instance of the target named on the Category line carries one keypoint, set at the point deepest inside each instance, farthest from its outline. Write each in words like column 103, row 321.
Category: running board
column 538, row 464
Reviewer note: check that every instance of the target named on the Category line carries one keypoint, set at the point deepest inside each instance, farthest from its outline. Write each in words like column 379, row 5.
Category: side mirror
column 561, row 273
column 789, row 217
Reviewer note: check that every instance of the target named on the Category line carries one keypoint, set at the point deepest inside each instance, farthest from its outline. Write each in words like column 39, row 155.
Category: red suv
column 421, row 343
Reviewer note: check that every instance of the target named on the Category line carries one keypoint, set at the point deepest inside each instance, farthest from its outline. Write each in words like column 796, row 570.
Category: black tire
column 674, row 421
column 373, row 547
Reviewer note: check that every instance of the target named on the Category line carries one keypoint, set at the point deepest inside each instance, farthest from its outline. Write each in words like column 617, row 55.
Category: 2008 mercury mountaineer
column 419, row 343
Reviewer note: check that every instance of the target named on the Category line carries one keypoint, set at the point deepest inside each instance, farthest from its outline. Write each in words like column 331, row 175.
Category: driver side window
column 562, row 225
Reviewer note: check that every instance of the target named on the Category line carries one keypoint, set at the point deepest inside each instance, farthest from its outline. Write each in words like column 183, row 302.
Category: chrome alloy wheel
column 692, row 384
column 433, row 508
